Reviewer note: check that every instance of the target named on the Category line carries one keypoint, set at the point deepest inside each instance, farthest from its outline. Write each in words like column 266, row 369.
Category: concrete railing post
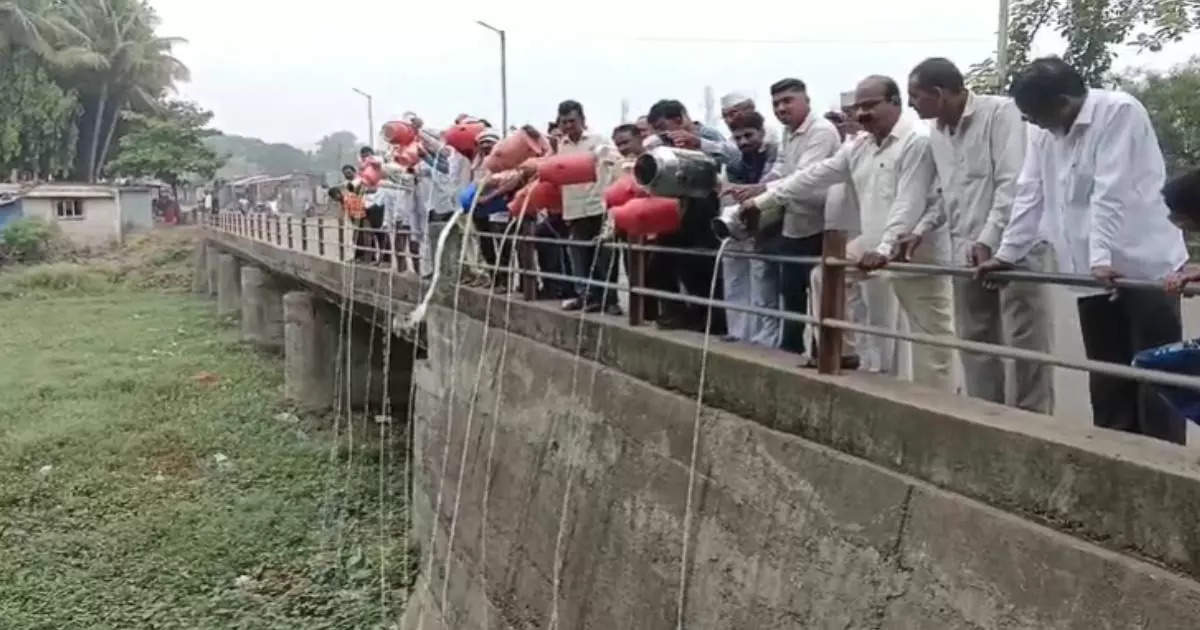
column 309, row 354
column 229, row 285
column 262, row 309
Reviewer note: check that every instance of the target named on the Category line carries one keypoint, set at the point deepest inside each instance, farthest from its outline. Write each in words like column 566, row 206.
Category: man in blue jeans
column 1182, row 196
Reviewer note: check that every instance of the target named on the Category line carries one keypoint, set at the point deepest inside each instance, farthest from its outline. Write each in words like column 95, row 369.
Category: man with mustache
column 890, row 170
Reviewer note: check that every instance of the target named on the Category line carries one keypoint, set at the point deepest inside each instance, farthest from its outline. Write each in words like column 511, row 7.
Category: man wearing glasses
column 891, row 172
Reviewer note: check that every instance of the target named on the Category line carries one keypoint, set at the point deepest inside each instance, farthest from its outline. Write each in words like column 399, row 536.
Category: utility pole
column 710, row 118
column 503, row 74
column 624, row 111
column 1002, row 48
column 370, row 117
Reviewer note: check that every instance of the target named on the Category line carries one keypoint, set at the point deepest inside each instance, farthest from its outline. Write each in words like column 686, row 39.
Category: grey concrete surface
column 200, row 269
column 262, row 308
column 978, row 516
column 229, row 285
column 212, row 260
column 310, row 354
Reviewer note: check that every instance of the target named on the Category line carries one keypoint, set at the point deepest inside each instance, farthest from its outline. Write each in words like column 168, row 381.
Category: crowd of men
column 1055, row 177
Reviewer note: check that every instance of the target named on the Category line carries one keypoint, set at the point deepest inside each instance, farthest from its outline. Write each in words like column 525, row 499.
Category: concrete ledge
column 1127, row 493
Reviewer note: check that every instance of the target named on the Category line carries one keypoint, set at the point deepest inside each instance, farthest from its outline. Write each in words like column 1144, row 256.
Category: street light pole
column 503, row 74
column 1002, row 47
column 370, row 116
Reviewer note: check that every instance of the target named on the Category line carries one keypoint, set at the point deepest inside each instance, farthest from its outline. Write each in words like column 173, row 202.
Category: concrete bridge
column 557, row 477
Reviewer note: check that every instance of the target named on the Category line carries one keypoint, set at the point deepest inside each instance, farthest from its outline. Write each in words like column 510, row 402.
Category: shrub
column 26, row 240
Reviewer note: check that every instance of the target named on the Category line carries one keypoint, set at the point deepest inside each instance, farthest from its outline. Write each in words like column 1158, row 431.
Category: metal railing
column 338, row 240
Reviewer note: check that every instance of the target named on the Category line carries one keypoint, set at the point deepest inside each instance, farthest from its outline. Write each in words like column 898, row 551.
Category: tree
column 1170, row 99
column 136, row 69
column 335, row 150
column 1092, row 29
column 37, row 134
column 252, row 156
column 169, row 146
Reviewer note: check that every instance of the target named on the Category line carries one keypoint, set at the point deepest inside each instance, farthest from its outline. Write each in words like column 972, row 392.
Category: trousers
column 1017, row 314
column 1114, row 330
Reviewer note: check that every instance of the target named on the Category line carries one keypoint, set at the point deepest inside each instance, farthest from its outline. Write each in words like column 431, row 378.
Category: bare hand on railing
column 978, row 254
column 871, row 261
column 1106, row 275
column 1178, row 280
column 988, row 266
column 906, row 246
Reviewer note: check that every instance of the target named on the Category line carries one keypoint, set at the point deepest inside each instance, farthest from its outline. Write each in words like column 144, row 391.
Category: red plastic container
column 512, row 151
column 647, row 215
column 565, row 170
column 399, row 132
column 542, row 196
column 624, row 190
column 462, row 137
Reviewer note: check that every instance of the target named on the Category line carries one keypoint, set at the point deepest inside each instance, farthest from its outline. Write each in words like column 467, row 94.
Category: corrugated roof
column 73, row 191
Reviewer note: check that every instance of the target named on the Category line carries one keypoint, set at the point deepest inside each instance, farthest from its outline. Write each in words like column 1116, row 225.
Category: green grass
column 115, row 405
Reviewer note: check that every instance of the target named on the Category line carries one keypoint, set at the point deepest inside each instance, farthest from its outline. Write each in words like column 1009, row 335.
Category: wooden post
column 637, row 279
column 526, row 260
column 833, row 304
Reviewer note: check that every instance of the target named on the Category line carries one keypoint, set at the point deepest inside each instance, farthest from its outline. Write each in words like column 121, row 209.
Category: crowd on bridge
column 1056, row 176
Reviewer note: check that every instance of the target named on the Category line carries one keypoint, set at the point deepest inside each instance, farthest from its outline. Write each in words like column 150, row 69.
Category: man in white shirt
column 890, row 170
column 807, row 139
column 584, row 212
column 978, row 144
column 1091, row 184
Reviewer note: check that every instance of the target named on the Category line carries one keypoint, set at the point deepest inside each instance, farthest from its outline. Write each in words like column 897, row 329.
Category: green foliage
column 123, row 514
column 1170, row 99
column 1092, row 30
column 334, row 150
column 252, row 156
column 169, row 146
column 37, row 131
column 26, row 240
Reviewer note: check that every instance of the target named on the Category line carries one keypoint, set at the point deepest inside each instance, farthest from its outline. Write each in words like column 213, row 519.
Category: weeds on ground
column 152, row 477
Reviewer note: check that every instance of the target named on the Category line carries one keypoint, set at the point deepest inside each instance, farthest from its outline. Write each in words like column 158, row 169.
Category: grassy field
column 151, row 475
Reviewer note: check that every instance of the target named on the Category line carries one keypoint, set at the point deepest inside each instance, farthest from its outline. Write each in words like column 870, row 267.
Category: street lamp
column 370, row 116
column 503, row 74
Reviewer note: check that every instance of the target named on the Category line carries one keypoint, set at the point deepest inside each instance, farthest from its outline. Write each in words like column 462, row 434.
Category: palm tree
column 39, row 26
column 137, row 69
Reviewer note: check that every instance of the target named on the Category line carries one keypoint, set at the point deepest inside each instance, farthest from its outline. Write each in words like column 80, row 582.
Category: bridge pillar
column 200, row 269
column 212, row 263
column 262, row 309
column 310, row 350
column 368, row 349
column 229, row 285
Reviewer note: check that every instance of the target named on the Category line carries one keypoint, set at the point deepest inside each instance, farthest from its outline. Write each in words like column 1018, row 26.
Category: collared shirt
column 814, row 140
column 1095, row 193
column 582, row 200
column 978, row 163
column 893, row 181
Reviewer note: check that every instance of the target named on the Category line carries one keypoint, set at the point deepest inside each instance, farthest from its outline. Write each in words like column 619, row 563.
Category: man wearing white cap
column 736, row 103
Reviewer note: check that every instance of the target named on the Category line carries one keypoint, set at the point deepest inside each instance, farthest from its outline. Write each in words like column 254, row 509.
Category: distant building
column 86, row 214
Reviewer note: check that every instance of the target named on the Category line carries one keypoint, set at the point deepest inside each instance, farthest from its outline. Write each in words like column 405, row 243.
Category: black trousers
column 375, row 240
column 696, row 274
column 591, row 261
column 493, row 251
column 1114, row 330
column 553, row 258
column 795, row 281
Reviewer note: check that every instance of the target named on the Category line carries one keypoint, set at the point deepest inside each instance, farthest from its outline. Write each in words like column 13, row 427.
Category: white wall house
column 90, row 215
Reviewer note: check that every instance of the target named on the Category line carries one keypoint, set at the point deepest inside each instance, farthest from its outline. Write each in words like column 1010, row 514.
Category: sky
column 286, row 70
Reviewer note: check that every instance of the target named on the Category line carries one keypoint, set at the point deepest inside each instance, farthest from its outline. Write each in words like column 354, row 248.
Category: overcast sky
column 283, row 70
